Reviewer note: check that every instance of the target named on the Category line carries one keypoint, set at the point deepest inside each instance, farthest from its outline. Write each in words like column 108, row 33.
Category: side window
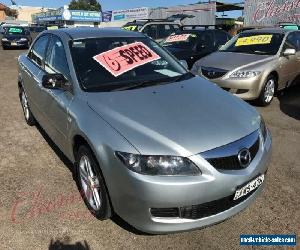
column 56, row 60
column 38, row 51
column 207, row 38
column 221, row 38
column 297, row 36
column 291, row 41
column 151, row 30
column 166, row 30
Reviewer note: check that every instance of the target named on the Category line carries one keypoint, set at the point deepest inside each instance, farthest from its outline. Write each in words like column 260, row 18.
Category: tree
column 11, row 12
column 92, row 5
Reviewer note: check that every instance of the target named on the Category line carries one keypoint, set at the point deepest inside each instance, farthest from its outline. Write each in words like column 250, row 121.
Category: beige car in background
column 254, row 64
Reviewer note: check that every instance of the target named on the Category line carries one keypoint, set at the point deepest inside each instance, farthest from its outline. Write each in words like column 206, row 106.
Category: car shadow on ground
column 290, row 101
column 115, row 218
column 61, row 245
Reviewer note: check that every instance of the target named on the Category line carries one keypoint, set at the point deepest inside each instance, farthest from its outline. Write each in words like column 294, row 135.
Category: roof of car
column 82, row 33
column 268, row 30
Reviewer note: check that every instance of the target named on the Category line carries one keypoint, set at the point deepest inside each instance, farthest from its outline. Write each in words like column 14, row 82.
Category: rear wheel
column 268, row 91
column 91, row 184
column 29, row 118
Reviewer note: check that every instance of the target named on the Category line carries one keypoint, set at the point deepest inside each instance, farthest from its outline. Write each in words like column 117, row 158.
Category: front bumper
column 15, row 44
column 133, row 195
column 246, row 89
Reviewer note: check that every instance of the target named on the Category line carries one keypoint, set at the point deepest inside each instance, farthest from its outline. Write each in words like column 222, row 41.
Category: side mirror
column 289, row 52
column 55, row 81
column 184, row 64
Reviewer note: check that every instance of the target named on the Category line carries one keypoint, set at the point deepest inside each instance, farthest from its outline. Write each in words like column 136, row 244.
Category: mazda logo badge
column 211, row 73
column 244, row 157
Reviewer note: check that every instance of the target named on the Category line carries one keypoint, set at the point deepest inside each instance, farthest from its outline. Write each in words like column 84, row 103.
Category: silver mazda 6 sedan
column 165, row 150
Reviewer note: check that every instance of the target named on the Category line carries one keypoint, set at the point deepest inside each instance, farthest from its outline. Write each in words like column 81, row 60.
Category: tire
column 268, row 91
column 29, row 118
column 94, row 193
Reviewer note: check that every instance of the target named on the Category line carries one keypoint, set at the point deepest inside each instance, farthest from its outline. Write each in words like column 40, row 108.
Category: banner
column 137, row 13
column 271, row 12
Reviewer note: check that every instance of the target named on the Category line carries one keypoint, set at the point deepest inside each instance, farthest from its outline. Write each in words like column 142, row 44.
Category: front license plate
column 14, row 44
column 250, row 186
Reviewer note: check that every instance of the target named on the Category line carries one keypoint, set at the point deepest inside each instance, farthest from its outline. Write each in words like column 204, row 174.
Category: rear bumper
column 133, row 195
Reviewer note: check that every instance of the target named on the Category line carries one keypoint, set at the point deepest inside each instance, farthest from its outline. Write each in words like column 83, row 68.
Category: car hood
column 220, row 60
column 181, row 118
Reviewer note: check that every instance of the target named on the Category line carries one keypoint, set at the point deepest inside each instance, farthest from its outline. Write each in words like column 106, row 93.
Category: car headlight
column 23, row 40
column 158, row 165
column 4, row 39
column 263, row 128
column 244, row 74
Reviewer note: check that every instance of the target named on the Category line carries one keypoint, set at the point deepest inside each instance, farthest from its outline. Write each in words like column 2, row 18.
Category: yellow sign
column 52, row 28
column 254, row 40
column 132, row 28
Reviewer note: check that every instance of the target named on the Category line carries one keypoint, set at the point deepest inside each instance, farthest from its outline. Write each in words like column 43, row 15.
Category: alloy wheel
column 269, row 90
column 89, row 183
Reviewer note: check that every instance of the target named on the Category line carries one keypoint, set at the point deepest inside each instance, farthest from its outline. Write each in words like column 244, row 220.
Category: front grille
column 232, row 162
column 195, row 212
column 203, row 210
column 213, row 73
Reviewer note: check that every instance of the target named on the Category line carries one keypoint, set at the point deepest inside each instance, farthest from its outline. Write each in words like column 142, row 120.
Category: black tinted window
column 151, row 31
column 207, row 39
column 165, row 30
column 56, row 61
column 221, row 38
column 293, row 41
column 38, row 51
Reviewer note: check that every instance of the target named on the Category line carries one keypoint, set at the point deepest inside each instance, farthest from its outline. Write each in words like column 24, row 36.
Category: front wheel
column 91, row 184
column 267, row 92
column 29, row 118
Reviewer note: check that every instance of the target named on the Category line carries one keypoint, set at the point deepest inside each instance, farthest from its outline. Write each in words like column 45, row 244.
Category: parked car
column 192, row 45
column 158, row 29
column 16, row 37
column 165, row 150
column 255, row 64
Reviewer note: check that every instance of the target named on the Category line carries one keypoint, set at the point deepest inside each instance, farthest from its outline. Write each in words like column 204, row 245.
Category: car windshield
column 124, row 63
column 254, row 43
column 15, row 31
column 181, row 40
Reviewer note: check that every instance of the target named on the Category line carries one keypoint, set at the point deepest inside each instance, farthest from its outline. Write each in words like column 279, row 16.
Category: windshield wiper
column 160, row 81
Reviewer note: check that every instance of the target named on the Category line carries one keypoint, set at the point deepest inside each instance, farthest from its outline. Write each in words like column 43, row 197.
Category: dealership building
column 64, row 17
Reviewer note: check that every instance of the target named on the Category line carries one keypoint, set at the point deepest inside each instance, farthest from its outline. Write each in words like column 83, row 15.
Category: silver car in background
column 163, row 149
column 254, row 64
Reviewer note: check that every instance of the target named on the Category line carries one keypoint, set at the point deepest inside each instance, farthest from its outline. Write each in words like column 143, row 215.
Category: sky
column 116, row 4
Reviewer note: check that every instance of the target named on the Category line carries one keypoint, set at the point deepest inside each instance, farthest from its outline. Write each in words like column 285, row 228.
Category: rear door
column 31, row 68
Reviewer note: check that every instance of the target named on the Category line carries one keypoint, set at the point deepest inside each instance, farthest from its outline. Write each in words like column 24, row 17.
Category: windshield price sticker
column 122, row 59
column 254, row 40
column 15, row 30
column 178, row 38
column 130, row 28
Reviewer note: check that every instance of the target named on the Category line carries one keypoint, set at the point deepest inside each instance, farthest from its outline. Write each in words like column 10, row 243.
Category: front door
column 56, row 101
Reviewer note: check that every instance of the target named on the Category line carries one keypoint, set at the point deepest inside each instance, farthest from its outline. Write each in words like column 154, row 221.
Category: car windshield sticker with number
column 122, row 59
column 15, row 30
column 254, row 40
column 179, row 38
column 131, row 28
